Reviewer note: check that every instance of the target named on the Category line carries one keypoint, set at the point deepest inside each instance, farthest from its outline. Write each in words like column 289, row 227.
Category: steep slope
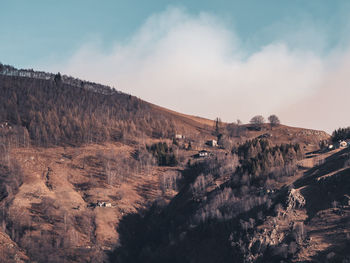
column 55, row 213
column 68, row 146
column 57, row 110
column 218, row 216
column 50, row 109
column 326, row 191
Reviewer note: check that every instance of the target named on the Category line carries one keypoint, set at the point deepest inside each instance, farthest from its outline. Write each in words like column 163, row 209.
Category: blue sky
column 231, row 59
column 33, row 32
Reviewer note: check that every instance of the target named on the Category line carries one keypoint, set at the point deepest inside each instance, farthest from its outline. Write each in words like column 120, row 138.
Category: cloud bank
column 196, row 65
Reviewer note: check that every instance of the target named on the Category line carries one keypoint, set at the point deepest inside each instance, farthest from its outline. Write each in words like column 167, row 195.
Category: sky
column 227, row 59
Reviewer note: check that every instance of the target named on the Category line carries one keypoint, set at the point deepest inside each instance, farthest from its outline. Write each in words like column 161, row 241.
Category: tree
column 234, row 129
column 274, row 120
column 257, row 120
column 189, row 147
column 58, row 78
column 218, row 125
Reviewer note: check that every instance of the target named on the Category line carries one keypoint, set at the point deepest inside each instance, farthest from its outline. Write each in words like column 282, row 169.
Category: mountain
column 91, row 174
column 300, row 217
column 50, row 110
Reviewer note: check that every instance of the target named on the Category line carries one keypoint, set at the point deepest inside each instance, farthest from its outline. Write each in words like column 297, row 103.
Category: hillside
column 301, row 218
column 90, row 174
column 50, row 110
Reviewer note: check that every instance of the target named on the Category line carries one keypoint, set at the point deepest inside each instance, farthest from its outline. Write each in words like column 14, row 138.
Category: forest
column 212, row 223
column 50, row 112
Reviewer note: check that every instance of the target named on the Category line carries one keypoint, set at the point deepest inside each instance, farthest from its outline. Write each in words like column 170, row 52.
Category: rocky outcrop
column 288, row 222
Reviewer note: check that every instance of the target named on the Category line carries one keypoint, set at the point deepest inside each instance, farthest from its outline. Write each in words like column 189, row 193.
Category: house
column 212, row 143
column 343, row 144
column 179, row 136
column 203, row 153
column 103, row 204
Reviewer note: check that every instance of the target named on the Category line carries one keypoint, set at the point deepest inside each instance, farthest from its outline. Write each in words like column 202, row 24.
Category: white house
column 103, row 204
column 179, row 136
column 212, row 143
column 343, row 144
column 203, row 153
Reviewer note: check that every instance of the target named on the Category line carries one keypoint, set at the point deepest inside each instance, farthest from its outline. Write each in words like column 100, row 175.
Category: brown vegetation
column 89, row 174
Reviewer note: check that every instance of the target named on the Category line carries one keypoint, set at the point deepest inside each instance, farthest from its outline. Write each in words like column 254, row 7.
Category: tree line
column 50, row 112
column 341, row 134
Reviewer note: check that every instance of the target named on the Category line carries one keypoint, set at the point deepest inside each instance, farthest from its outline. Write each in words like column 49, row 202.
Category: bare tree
column 110, row 173
column 257, row 120
column 234, row 129
column 169, row 180
column 274, row 120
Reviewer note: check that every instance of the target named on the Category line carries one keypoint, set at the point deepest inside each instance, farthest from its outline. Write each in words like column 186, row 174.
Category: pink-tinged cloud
column 196, row 65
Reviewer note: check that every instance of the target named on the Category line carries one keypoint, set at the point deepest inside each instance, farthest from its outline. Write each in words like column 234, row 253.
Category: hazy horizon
column 196, row 57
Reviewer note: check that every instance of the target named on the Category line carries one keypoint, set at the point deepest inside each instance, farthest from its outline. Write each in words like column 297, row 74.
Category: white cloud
column 327, row 107
column 196, row 65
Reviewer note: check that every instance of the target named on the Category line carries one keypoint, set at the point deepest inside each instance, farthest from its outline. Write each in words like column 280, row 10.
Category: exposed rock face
column 273, row 233
column 295, row 199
